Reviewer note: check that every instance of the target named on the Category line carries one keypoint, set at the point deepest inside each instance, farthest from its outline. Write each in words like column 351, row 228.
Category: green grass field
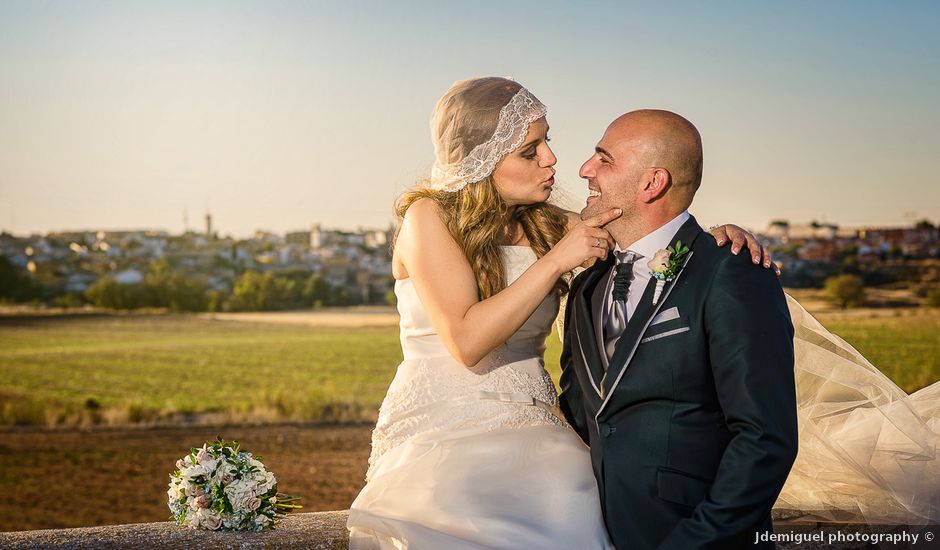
column 905, row 346
column 117, row 370
column 139, row 369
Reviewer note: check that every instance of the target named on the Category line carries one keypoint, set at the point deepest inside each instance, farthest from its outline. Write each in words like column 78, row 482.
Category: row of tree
column 251, row 291
column 813, row 274
column 162, row 287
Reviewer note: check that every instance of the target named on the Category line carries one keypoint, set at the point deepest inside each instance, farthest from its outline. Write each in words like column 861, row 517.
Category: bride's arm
column 445, row 283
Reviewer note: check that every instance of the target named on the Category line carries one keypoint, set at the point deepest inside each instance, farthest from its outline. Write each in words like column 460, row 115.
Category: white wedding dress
column 476, row 458
column 480, row 458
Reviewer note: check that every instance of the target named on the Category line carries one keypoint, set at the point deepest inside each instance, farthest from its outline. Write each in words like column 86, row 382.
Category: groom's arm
column 750, row 340
column 570, row 400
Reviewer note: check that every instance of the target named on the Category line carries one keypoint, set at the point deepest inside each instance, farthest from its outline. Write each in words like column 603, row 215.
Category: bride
column 470, row 450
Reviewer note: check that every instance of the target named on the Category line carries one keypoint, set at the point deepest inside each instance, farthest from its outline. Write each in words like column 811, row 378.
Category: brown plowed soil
column 120, row 476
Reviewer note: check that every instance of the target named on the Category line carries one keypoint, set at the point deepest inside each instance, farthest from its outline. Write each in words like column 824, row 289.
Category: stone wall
column 313, row 531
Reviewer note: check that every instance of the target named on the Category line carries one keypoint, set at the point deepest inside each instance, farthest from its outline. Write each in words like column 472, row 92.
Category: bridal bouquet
column 221, row 486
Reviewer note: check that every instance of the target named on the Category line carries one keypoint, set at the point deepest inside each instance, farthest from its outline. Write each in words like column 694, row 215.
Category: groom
column 683, row 389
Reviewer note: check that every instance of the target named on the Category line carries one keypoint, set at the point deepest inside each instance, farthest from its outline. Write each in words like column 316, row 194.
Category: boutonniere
column 665, row 265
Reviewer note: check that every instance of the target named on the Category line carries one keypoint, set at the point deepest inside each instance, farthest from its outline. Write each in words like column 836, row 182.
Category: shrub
column 845, row 290
column 108, row 293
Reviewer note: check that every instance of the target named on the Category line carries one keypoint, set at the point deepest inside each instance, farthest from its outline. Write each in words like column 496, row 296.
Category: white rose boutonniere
column 665, row 265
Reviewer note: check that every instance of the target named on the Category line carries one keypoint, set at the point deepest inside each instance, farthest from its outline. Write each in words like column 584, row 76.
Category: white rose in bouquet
column 252, row 504
column 209, row 519
column 269, row 482
column 225, row 472
column 238, row 491
column 243, row 500
column 194, row 471
column 202, row 501
column 174, row 492
column 193, row 520
column 220, row 486
column 209, row 465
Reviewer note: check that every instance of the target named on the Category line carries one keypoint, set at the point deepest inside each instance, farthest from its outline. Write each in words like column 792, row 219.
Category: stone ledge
column 311, row 530
column 314, row 530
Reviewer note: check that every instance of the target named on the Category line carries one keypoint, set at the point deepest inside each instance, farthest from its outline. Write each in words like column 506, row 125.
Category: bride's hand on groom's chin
column 740, row 239
column 584, row 243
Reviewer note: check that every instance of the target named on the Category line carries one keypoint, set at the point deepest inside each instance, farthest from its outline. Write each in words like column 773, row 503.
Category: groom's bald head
column 668, row 141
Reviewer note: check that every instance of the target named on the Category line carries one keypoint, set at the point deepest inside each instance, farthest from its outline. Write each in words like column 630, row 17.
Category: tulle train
column 868, row 451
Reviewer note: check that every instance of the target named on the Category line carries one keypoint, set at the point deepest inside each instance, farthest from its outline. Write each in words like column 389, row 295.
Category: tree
column 185, row 294
column 316, row 291
column 160, row 268
column 255, row 291
column 15, row 284
column 845, row 290
column 108, row 293
column 340, row 297
column 155, row 282
column 248, row 292
column 174, row 291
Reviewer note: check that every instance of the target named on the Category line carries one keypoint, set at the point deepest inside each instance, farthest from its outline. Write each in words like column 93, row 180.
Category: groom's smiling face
column 615, row 169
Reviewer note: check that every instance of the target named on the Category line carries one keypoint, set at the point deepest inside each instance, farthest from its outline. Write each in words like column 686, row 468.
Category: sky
column 276, row 115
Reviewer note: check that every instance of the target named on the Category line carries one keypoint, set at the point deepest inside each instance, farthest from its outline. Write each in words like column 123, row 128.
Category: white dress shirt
column 647, row 247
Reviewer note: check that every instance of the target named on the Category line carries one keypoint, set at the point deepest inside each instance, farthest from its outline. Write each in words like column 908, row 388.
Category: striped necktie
column 617, row 309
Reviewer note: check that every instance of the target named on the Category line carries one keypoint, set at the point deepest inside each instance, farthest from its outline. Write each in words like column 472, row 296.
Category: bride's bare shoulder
column 423, row 227
column 424, row 218
column 423, row 209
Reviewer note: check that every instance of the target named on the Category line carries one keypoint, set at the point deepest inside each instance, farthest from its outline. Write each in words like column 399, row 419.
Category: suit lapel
column 598, row 299
column 584, row 329
column 645, row 311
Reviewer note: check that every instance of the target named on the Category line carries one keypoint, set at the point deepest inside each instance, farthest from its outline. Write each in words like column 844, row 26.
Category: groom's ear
column 656, row 183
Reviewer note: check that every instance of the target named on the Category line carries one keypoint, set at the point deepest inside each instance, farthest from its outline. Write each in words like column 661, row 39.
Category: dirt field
column 120, row 476
column 345, row 318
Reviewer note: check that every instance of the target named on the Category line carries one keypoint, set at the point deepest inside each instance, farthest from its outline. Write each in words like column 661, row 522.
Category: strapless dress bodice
column 432, row 391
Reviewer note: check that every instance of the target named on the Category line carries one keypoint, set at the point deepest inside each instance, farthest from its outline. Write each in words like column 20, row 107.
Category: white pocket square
column 673, row 332
column 665, row 315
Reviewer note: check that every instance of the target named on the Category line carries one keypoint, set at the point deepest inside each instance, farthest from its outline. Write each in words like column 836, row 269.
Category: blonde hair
column 465, row 116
